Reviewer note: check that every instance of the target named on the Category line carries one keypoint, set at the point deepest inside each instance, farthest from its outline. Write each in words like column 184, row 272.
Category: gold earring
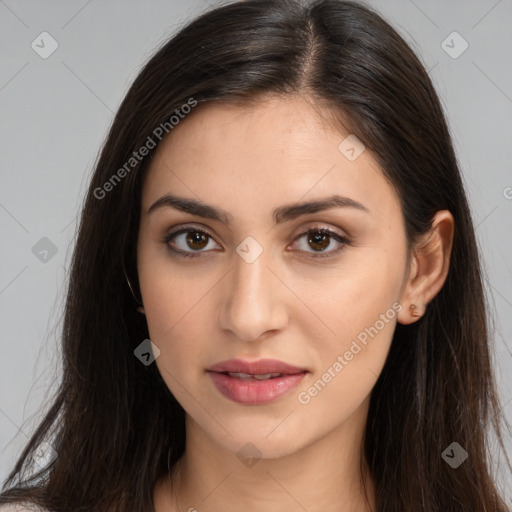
column 414, row 313
column 140, row 309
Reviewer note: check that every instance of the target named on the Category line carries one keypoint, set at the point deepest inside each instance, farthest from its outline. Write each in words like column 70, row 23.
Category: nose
column 253, row 300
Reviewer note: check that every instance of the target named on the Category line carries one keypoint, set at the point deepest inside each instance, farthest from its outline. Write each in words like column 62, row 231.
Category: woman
column 275, row 300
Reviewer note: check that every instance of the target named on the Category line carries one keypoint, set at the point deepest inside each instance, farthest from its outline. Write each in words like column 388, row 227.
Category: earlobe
column 140, row 309
column 429, row 267
column 414, row 312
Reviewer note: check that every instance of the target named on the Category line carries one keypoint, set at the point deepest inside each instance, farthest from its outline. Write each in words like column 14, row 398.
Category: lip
column 259, row 367
column 254, row 392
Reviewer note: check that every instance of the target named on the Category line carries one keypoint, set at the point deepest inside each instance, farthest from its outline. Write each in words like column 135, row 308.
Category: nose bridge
column 252, row 302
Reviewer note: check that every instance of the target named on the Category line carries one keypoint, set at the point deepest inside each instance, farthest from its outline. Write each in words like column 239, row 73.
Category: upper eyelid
column 313, row 226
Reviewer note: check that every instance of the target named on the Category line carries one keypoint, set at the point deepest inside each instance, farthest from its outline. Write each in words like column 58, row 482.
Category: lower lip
column 253, row 392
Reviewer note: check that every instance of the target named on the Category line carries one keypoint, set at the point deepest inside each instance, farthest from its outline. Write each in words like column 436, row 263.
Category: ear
column 429, row 266
column 140, row 309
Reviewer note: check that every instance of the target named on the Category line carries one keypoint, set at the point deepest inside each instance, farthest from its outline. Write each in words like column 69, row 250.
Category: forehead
column 261, row 156
column 274, row 126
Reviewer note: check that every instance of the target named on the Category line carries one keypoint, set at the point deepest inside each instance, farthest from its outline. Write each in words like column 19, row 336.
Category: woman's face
column 265, row 285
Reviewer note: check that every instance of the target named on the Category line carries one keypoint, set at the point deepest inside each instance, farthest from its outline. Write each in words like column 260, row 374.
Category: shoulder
column 22, row 507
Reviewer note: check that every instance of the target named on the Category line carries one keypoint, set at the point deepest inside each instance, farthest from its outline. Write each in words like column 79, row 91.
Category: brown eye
column 319, row 241
column 188, row 242
column 197, row 240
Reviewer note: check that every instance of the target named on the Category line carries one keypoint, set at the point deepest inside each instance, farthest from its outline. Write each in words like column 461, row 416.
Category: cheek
column 180, row 321
column 176, row 319
column 171, row 294
column 349, row 366
column 356, row 314
column 353, row 296
column 179, row 336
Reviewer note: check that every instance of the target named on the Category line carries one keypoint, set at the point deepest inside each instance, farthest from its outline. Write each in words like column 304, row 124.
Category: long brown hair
column 114, row 423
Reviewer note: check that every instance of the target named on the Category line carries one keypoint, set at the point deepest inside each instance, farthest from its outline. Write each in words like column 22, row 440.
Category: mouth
column 257, row 382
column 249, row 376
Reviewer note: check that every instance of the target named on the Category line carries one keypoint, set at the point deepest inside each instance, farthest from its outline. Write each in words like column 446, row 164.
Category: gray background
column 55, row 113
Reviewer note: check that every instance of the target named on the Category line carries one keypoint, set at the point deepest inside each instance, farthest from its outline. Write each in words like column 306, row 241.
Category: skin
column 285, row 305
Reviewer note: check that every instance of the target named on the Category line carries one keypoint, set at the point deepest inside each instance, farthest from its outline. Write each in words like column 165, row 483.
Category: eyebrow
column 281, row 214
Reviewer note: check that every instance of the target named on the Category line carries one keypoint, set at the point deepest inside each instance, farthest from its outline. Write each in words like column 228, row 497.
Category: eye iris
column 319, row 239
column 195, row 237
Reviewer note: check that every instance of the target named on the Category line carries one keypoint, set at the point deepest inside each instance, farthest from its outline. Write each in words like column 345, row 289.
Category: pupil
column 194, row 237
column 319, row 239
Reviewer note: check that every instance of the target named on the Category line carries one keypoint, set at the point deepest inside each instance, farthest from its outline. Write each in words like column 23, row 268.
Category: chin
column 260, row 439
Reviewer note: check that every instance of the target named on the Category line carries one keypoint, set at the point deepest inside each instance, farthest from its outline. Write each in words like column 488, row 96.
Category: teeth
column 248, row 376
column 266, row 376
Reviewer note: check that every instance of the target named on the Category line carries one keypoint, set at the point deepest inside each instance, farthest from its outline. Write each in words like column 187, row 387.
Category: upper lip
column 260, row 367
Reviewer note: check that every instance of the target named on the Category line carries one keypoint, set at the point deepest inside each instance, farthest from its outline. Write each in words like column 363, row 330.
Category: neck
column 323, row 476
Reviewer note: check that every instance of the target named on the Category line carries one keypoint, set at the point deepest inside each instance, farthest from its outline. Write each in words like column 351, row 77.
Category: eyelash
column 190, row 229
